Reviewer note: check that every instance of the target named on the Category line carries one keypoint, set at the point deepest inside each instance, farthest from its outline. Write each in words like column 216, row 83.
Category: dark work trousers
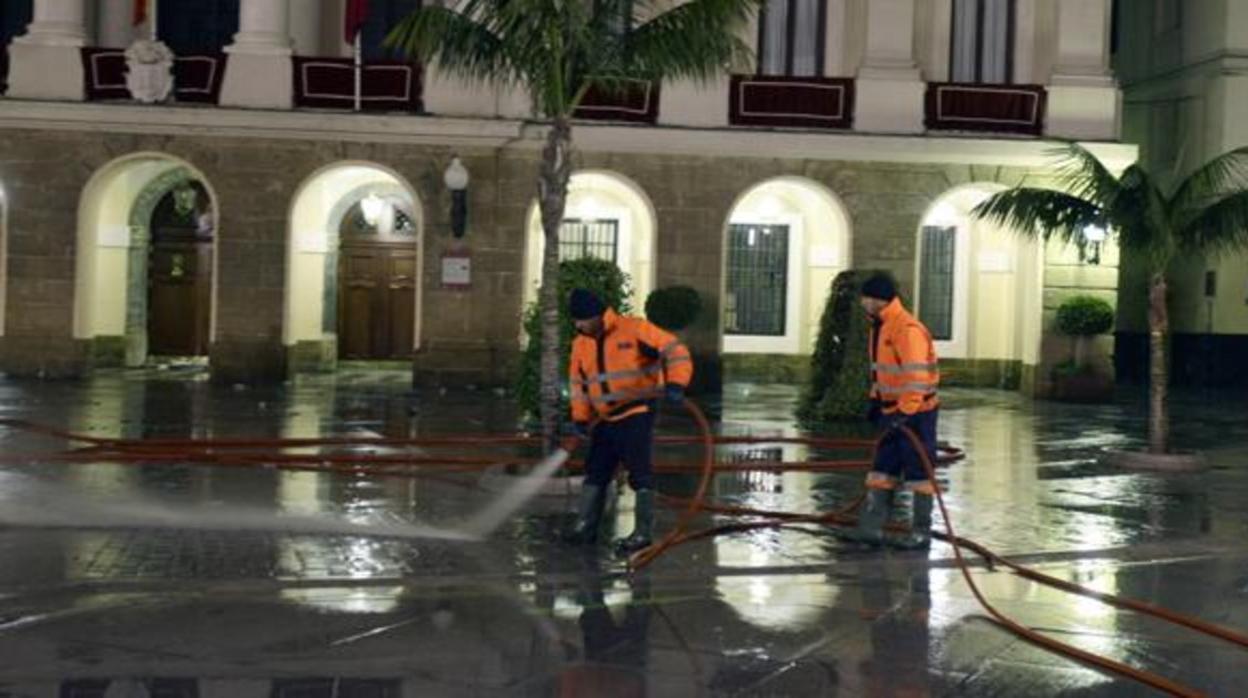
column 897, row 458
column 629, row 441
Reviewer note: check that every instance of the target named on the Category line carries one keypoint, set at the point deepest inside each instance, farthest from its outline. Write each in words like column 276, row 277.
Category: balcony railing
column 762, row 100
column 195, row 78
column 636, row 101
column 986, row 108
column 329, row 83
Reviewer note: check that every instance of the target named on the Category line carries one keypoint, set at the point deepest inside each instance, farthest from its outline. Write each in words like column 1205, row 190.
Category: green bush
column 603, row 278
column 1084, row 316
column 840, row 367
column 673, row 308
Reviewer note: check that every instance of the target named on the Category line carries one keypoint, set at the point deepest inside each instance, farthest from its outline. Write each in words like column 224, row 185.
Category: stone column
column 259, row 73
column 1082, row 43
column 889, row 86
column 46, row 61
column 113, row 24
column 1084, row 100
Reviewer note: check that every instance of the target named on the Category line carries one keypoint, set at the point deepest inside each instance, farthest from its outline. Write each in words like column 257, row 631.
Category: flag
column 140, row 12
column 357, row 12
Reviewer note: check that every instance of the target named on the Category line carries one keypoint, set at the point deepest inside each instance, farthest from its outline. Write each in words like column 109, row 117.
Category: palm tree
column 1206, row 213
column 558, row 50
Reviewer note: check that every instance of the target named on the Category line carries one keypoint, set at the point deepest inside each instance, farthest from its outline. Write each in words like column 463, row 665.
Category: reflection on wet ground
column 121, row 612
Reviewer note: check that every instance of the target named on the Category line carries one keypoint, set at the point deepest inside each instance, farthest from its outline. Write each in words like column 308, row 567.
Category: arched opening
column 606, row 216
column 978, row 287
column 354, row 268
column 785, row 241
column 146, row 262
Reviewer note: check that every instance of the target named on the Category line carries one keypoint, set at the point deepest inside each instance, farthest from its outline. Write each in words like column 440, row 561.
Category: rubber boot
column 588, row 517
column 920, row 535
column 643, row 525
column 871, row 519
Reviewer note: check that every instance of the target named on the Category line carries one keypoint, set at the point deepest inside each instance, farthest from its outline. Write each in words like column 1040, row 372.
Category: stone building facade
column 281, row 182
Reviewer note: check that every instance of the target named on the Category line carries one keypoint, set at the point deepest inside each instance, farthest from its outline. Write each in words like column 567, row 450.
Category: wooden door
column 179, row 297
column 376, row 301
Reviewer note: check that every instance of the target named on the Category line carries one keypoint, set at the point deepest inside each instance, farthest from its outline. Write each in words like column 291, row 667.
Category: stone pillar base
column 44, row 357
column 247, row 361
column 312, row 356
column 447, row 364
column 1083, row 110
column 55, row 73
column 887, row 105
column 258, row 81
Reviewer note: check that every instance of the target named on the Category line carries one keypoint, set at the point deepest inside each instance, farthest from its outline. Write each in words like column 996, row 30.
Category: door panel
column 377, row 301
column 179, row 298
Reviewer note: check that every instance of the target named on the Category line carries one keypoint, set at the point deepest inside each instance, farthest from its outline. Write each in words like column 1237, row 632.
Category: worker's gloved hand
column 674, row 394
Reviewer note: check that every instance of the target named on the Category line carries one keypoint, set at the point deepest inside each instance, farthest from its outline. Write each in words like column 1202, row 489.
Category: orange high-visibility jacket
column 905, row 374
column 615, row 375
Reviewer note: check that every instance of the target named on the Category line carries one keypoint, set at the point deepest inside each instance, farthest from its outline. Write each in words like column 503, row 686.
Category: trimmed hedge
column 605, row 279
column 840, row 367
column 673, row 308
column 1085, row 316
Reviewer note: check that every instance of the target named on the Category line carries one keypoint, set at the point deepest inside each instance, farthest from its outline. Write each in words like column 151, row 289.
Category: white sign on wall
column 313, row 242
column 824, row 257
column 995, row 262
column 456, row 270
column 113, row 236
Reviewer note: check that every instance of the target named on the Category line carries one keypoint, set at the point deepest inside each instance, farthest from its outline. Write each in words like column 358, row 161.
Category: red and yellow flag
column 140, row 12
column 357, row 12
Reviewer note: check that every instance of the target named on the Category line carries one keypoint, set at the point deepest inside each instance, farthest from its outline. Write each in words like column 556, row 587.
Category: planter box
column 1083, row 387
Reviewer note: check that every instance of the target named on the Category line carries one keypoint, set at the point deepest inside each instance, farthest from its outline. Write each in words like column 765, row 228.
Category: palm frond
column 1139, row 213
column 1042, row 213
column 1219, row 227
column 695, row 41
column 460, row 42
column 1082, row 174
column 1215, row 178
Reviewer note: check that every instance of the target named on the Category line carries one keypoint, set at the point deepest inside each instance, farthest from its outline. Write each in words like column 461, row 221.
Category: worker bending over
column 619, row 365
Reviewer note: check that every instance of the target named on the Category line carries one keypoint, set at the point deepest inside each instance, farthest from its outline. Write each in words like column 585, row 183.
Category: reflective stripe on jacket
column 617, row 374
column 905, row 374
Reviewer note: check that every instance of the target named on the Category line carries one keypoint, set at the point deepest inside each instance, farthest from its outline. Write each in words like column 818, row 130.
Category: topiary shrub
column 840, row 367
column 673, row 308
column 603, row 278
column 1081, row 317
column 1085, row 316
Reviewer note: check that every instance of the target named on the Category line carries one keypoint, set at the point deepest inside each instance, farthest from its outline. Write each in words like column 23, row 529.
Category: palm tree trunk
column 555, row 171
column 1159, row 368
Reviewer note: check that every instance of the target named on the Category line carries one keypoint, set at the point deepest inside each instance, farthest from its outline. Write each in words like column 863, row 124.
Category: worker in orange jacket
column 618, row 367
column 905, row 376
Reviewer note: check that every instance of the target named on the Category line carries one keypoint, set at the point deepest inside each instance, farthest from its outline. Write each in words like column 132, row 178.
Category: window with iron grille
column 758, row 276
column 791, row 38
column 982, row 49
column 936, row 273
column 596, row 238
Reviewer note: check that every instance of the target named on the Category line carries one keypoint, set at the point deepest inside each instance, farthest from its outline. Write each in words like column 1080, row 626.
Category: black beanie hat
column 880, row 286
column 584, row 305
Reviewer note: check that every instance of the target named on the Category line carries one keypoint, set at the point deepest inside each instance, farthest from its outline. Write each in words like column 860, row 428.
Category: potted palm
column 1204, row 213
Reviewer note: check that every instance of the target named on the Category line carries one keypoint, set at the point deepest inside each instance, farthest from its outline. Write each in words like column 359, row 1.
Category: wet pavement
column 95, row 606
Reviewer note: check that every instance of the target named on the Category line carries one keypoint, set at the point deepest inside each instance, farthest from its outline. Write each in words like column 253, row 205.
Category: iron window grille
column 936, row 290
column 589, row 238
column 758, row 280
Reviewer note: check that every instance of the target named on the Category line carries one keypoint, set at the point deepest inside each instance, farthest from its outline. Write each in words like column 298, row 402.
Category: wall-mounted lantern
column 456, row 180
column 1090, row 241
